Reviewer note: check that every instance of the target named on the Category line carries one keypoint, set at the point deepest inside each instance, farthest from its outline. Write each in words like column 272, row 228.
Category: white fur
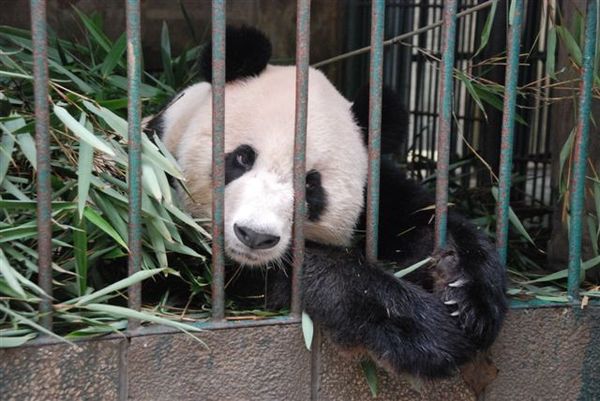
column 260, row 112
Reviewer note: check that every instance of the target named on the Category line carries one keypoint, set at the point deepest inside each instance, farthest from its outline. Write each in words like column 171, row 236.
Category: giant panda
column 429, row 322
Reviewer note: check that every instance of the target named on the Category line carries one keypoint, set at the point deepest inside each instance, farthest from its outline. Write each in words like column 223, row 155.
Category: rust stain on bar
column 134, row 172
column 39, row 37
column 445, row 121
column 299, row 169
column 374, row 145
column 508, row 125
column 218, row 159
column 580, row 152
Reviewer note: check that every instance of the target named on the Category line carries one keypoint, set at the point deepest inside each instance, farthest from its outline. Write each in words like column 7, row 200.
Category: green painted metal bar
column 134, row 171
column 39, row 36
column 577, row 183
column 445, row 121
column 302, row 60
column 508, row 128
column 218, row 159
column 375, row 93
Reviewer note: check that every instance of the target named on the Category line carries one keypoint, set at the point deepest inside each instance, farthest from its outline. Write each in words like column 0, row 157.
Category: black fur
column 394, row 118
column 247, row 49
column 316, row 196
column 233, row 168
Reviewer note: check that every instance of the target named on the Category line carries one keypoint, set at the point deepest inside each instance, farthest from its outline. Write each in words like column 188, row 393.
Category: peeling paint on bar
column 218, row 159
column 375, row 86
column 39, row 37
column 302, row 60
column 580, row 152
column 445, row 121
column 508, row 128
column 134, row 172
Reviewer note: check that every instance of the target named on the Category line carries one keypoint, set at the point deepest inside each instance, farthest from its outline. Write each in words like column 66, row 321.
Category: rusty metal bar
column 577, row 183
column 39, row 36
column 445, row 121
column 508, row 128
column 302, row 59
column 375, row 89
column 218, row 159
column 134, row 170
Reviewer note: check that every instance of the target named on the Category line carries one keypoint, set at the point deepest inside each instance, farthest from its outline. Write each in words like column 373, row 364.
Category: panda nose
column 253, row 239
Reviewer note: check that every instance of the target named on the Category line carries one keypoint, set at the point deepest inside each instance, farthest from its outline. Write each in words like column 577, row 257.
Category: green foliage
column 88, row 99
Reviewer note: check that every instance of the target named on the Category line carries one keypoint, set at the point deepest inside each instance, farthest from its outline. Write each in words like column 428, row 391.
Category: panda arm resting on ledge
column 427, row 323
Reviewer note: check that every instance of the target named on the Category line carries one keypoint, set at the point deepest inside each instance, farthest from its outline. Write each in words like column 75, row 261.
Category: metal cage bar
column 302, row 63
column 134, row 169
column 580, row 152
column 218, row 158
column 445, row 121
column 39, row 36
column 375, row 89
column 508, row 128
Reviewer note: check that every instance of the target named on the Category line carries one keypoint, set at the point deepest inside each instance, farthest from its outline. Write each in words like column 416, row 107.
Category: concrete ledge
column 88, row 371
column 260, row 363
column 542, row 354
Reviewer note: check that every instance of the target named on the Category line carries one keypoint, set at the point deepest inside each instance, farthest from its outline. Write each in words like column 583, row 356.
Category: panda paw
column 478, row 312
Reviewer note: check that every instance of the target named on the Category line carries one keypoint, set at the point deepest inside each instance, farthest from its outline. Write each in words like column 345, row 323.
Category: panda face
column 259, row 141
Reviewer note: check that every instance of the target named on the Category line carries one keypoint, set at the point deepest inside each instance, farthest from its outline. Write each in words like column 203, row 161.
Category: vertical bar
column 39, row 37
column 580, row 152
column 134, row 171
column 218, row 158
column 445, row 121
column 375, row 86
column 508, row 128
column 302, row 59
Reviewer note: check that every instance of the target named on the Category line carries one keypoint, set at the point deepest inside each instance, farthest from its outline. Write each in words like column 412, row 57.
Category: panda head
column 259, row 141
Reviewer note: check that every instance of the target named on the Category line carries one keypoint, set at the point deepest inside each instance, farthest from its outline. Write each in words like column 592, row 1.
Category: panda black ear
column 394, row 118
column 247, row 52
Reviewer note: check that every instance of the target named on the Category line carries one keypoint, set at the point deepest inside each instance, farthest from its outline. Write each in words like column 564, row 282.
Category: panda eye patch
column 316, row 197
column 239, row 162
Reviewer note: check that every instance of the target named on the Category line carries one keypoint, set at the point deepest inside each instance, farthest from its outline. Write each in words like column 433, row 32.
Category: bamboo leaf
column 165, row 50
column 8, row 273
column 81, row 132
column 27, row 145
column 135, row 278
column 514, row 219
column 28, row 322
column 412, row 268
column 307, row 330
column 487, row 28
column 370, row 372
column 102, row 224
column 84, row 175
column 17, row 341
column 80, row 249
column 114, row 56
column 120, row 311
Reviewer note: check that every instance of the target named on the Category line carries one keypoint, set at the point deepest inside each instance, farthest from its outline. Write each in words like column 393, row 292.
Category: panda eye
column 245, row 157
column 242, row 161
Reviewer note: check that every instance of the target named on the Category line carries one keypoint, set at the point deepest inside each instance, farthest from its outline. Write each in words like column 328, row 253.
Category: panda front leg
column 402, row 326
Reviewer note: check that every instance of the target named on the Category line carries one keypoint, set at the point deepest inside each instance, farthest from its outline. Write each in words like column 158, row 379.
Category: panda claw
column 455, row 313
column 451, row 302
column 458, row 283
